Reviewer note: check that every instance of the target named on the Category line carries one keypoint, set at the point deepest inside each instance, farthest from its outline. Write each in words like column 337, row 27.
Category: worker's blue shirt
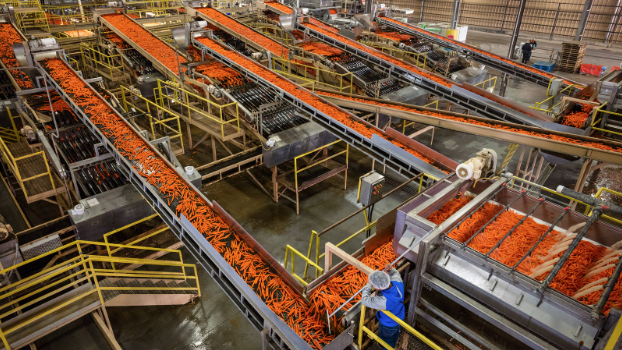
column 390, row 299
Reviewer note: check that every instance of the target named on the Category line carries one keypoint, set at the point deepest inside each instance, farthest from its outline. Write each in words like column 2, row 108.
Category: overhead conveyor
column 554, row 141
column 489, row 59
column 436, row 85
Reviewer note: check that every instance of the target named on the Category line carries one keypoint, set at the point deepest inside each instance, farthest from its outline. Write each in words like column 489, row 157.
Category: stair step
column 136, row 284
column 162, row 284
column 108, row 294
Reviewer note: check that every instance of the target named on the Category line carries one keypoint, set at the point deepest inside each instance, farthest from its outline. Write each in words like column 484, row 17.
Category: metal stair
column 34, row 323
column 137, row 295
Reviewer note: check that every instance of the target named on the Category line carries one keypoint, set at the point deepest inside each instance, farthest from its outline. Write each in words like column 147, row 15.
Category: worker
column 533, row 43
column 389, row 296
column 526, row 52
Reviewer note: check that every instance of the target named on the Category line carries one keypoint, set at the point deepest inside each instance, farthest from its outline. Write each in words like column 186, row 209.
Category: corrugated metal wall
column 542, row 18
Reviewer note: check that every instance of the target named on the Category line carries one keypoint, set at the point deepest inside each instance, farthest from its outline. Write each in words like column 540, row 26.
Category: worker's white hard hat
column 380, row 280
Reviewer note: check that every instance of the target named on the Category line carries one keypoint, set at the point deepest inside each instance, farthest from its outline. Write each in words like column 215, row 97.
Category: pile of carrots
column 353, row 43
column 320, row 49
column 351, row 122
column 246, row 32
column 339, row 288
column 147, row 41
column 534, row 70
column 577, row 119
column 393, row 36
column 216, row 70
column 8, row 37
column 185, row 201
column 583, row 276
column 58, row 104
column 118, row 41
column 476, row 122
column 288, row 11
column 448, row 209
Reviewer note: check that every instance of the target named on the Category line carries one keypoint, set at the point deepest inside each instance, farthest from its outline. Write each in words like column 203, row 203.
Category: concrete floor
column 213, row 321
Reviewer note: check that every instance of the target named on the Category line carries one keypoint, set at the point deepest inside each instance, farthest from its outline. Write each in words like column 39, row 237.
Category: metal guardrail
column 168, row 92
column 598, row 194
column 551, row 110
column 80, row 270
column 99, row 59
column 393, row 52
column 404, row 325
column 156, row 120
column 11, row 135
column 596, row 120
column 286, row 68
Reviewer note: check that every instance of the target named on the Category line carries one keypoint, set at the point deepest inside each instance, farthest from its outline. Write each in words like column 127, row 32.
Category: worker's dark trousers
column 526, row 57
column 389, row 334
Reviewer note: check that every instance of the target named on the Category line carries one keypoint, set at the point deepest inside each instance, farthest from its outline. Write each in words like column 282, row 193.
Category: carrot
column 9, row 36
column 475, row 122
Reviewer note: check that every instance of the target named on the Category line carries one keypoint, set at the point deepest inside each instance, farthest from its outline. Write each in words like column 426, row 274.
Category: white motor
column 257, row 56
column 28, row 133
column 484, row 163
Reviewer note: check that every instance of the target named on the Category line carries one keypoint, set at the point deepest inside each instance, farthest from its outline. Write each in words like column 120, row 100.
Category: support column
column 517, row 24
column 422, row 8
column 614, row 21
column 454, row 15
column 587, row 8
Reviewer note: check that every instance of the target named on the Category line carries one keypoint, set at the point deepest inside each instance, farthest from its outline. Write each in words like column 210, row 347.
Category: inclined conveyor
column 469, row 97
column 486, row 58
column 533, row 137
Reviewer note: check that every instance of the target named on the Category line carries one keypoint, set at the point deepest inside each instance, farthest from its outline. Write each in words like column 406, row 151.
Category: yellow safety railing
column 10, row 135
column 491, row 85
column 153, row 12
column 289, row 69
column 406, row 326
column 538, row 105
column 613, row 339
column 133, row 243
column 413, row 57
column 151, row 108
column 99, row 61
column 169, row 93
column 322, row 160
column 35, row 18
column 598, row 194
column 11, row 161
column 315, row 236
column 552, row 191
column 83, row 268
column 264, row 28
column 596, row 120
column 289, row 249
column 406, row 124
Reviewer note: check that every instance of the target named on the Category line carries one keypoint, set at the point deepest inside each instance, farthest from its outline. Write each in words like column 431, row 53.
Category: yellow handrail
column 595, row 120
column 287, row 66
column 404, row 325
column 297, row 171
column 76, row 271
column 393, row 51
column 182, row 97
column 406, row 124
column 151, row 108
column 101, row 59
column 598, row 194
column 538, row 105
column 11, row 161
column 294, row 252
column 483, row 83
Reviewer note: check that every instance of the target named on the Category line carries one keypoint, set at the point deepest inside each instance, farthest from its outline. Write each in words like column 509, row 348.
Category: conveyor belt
column 435, row 84
column 126, row 27
column 561, row 142
column 9, row 36
column 489, row 59
column 169, row 206
column 391, row 148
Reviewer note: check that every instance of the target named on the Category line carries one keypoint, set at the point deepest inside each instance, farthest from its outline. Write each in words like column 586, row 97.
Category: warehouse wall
column 543, row 18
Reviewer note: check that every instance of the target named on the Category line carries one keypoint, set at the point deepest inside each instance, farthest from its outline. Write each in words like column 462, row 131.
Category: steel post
column 519, row 20
column 454, row 15
column 587, row 8
column 614, row 21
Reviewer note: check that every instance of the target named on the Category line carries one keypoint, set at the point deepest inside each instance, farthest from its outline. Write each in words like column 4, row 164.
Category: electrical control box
column 371, row 188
